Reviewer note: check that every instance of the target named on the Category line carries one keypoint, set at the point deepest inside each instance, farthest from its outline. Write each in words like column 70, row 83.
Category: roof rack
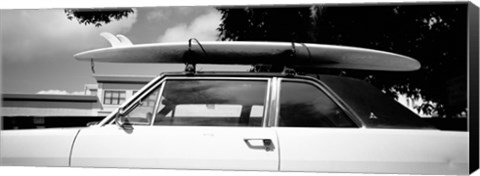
column 190, row 64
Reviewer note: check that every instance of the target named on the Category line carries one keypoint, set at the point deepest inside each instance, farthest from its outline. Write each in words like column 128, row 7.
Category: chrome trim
column 266, row 103
column 275, row 102
column 157, row 102
column 109, row 118
column 216, row 78
column 332, row 95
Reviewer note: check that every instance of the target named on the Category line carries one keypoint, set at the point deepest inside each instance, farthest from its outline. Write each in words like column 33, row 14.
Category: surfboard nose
column 413, row 65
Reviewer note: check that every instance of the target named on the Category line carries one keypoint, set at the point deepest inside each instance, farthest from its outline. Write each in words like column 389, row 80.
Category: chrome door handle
column 265, row 144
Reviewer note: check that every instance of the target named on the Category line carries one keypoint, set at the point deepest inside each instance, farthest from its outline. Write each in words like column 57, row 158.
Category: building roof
column 91, row 86
column 48, row 97
column 123, row 78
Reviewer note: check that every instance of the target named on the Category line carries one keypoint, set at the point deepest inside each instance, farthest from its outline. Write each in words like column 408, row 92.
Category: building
column 114, row 90
column 21, row 111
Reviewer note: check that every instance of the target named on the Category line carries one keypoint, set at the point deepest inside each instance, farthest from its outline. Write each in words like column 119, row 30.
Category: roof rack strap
column 190, row 64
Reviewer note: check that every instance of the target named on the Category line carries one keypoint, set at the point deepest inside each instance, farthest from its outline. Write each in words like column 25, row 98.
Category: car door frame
column 275, row 99
column 268, row 99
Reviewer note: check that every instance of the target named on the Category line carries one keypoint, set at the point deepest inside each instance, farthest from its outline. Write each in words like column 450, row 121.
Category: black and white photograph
column 269, row 89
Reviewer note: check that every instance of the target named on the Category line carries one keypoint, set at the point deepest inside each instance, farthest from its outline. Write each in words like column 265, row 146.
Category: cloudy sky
column 38, row 45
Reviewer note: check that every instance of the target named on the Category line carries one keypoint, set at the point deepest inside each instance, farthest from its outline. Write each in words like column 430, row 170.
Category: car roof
column 232, row 74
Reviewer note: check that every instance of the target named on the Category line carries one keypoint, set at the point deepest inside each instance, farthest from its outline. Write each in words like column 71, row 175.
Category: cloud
column 203, row 28
column 48, row 34
column 157, row 15
column 166, row 13
column 60, row 92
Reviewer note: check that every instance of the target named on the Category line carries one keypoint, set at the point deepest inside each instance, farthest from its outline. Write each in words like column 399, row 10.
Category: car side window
column 305, row 105
column 212, row 103
column 142, row 113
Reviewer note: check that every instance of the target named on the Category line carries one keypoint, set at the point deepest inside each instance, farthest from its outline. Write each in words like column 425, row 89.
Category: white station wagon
column 250, row 121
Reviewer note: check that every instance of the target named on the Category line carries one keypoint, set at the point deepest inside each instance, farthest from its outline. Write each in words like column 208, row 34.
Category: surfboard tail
column 116, row 41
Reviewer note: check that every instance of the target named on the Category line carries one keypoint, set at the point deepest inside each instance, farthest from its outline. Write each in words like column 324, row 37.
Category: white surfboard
column 310, row 56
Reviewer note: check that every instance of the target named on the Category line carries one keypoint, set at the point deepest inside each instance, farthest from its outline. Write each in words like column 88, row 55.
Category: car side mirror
column 123, row 122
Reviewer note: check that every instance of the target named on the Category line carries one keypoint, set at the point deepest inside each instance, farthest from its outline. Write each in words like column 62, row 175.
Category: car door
column 191, row 123
column 317, row 134
column 314, row 131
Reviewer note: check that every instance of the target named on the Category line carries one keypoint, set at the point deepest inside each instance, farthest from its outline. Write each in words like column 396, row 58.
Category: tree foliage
column 435, row 35
column 270, row 24
column 97, row 17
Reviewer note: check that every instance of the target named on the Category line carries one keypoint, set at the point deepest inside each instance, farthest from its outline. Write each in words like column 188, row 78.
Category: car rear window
column 374, row 108
column 305, row 105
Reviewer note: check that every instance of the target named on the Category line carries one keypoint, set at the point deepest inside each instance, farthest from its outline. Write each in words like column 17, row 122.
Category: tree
column 433, row 34
column 270, row 24
column 97, row 16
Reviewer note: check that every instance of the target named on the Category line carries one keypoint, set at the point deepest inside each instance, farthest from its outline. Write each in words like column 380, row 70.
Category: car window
column 305, row 105
column 142, row 113
column 212, row 103
column 374, row 108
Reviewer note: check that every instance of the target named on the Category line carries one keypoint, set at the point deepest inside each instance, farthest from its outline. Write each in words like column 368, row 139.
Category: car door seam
column 278, row 148
column 71, row 149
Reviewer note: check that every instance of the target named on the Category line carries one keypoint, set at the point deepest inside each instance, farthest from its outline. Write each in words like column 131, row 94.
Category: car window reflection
column 304, row 105
column 212, row 103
